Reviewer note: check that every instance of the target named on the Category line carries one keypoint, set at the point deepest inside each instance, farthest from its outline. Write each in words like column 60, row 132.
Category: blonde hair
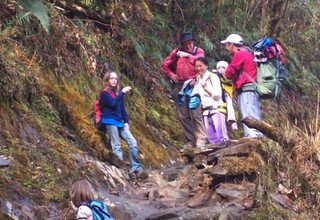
column 106, row 84
column 81, row 192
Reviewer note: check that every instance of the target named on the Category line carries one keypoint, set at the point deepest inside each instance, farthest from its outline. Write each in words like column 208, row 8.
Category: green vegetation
column 49, row 81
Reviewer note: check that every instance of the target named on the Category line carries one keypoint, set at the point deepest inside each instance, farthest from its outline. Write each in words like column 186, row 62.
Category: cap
column 233, row 38
column 185, row 37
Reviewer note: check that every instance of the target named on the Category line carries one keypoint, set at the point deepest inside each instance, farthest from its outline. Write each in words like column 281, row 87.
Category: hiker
column 179, row 66
column 213, row 106
column 115, row 118
column 227, row 85
column 83, row 201
column 241, row 70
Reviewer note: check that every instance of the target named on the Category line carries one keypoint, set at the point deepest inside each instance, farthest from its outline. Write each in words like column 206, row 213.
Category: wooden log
column 270, row 131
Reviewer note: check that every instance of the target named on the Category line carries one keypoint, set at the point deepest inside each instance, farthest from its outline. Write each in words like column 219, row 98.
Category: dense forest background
column 51, row 58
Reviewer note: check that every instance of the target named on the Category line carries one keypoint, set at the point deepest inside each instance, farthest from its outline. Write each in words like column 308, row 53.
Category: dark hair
column 203, row 60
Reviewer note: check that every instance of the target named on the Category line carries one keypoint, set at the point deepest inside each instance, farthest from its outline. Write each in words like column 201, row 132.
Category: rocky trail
column 221, row 182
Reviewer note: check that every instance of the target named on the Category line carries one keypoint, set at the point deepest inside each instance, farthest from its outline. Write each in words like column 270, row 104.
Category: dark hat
column 185, row 37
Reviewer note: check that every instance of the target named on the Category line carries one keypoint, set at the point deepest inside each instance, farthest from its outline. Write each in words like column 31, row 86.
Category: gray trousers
column 190, row 119
column 249, row 104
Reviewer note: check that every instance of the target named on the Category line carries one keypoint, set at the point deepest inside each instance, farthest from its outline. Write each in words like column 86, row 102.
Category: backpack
column 270, row 69
column 99, row 210
column 97, row 113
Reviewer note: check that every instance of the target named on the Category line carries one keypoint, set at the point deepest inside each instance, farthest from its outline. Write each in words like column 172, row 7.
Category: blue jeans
column 249, row 104
column 115, row 133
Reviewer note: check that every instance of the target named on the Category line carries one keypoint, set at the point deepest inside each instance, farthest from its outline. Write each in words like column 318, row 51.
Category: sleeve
column 124, row 113
column 200, row 53
column 234, row 67
column 216, row 90
column 168, row 61
column 107, row 100
column 84, row 213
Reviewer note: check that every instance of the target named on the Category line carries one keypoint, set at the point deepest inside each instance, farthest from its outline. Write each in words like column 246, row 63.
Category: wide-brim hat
column 185, row 37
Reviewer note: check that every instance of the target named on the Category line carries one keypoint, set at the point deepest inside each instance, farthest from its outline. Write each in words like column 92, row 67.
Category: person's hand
column 174, row 78
column 183, row 54
column 127, row 125
column 72, row 206
column 126, row 89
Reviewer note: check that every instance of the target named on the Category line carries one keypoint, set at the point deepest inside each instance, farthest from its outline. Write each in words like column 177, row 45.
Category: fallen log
column 270, row 131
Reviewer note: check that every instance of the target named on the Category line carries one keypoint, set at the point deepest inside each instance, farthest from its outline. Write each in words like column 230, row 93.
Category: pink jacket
column 242, row 61
column 182, row 66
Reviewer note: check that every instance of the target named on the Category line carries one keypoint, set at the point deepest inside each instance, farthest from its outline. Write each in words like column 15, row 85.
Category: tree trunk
column 270, row 131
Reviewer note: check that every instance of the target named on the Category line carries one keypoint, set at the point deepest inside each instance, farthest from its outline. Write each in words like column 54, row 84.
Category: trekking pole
column 66, row 213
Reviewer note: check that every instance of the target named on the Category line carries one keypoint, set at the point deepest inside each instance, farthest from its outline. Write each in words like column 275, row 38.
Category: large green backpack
column 268, row 83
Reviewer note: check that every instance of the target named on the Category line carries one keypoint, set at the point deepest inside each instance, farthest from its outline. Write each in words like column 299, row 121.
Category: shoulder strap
column 222, row 89
column 195, row 50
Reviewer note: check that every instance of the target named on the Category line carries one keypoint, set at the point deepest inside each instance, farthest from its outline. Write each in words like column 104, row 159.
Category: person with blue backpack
column 83, row 201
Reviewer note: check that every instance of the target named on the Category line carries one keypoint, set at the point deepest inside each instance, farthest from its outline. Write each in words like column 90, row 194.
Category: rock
column 172, row 192
column 214, row 200
column 4, row 162
column 232, row 212
column 166, row 214
column 232, row 166
column 284, row 201
column 216, row 171
column 235, row 191
column 241, row 149
column 153, row 194
column 200, row 161
column 200, row 199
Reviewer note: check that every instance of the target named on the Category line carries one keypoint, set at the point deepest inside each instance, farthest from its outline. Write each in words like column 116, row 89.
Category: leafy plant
column 37, row 8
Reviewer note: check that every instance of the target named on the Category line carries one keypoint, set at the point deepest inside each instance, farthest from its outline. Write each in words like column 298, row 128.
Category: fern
column 37, row 8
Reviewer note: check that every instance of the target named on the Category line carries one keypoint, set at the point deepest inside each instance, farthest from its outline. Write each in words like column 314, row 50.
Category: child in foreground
column 83, row 201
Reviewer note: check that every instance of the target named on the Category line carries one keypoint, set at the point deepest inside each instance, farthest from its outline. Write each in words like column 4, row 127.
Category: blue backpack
column 99, row 210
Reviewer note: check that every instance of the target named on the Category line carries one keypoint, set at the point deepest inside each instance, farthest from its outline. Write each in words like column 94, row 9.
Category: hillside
column 49, row 81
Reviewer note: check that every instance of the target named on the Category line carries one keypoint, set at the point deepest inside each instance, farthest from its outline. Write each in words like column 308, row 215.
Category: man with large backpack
column 179, row 67
column 243, row 71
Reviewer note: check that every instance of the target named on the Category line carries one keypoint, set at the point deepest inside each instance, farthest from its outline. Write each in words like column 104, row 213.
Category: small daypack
column 270, row 69
column 99, row 210
column 97, row 113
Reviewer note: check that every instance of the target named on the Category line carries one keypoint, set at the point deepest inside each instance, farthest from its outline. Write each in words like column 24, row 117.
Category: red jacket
column 184, row 66
column 242, row 61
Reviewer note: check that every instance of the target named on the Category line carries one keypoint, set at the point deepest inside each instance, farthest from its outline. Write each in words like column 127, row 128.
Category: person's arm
column 234, row 67
column 107, row 100
column 168, row 61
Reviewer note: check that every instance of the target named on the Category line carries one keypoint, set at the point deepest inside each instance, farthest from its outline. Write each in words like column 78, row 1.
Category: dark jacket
column 112, row 106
